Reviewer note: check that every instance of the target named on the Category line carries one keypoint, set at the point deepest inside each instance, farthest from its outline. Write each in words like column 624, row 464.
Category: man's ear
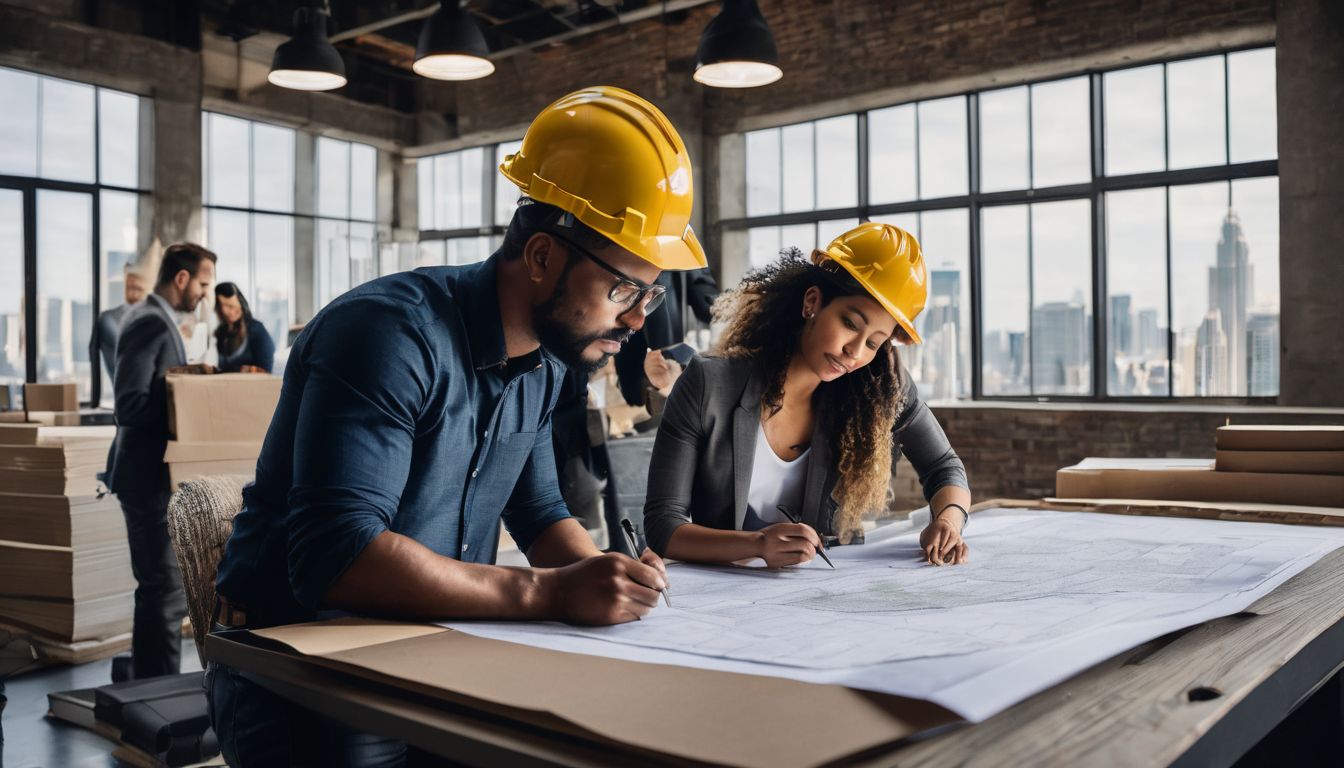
column 539, row 255
column 181, row 279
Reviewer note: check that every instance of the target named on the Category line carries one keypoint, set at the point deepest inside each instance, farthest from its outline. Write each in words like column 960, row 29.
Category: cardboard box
column 1193, row 480
column 225, row 407
column 50, row 397
column 1283, row 462
column 55, row 418
column 188, row 461
column 1280, row 437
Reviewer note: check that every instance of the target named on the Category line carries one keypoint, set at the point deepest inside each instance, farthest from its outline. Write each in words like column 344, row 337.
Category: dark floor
column 32, row 739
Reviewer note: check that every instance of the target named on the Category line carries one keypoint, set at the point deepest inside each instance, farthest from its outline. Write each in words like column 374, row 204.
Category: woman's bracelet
column 965, row 516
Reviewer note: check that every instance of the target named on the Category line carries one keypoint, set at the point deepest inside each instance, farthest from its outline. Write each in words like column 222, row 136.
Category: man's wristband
column 965, row 516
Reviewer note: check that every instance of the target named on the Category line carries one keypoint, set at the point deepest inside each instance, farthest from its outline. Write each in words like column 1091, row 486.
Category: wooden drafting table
column 1199, row 697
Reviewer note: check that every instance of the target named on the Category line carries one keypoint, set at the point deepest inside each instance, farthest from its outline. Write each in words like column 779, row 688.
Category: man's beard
column 560, row 339
column 187, row 305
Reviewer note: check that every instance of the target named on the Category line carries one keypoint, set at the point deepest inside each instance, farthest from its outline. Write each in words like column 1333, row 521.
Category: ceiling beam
column 402, row 55
column 391, row 21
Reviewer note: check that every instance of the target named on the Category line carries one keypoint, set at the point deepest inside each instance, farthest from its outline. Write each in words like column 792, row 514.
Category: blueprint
column 1045, row 595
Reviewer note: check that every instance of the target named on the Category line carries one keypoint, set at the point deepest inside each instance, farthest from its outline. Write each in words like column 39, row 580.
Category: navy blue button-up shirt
column 400, row 411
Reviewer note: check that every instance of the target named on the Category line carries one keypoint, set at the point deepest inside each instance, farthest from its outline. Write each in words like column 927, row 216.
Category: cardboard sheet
column 1285, row 462
column 711, row 717
column 1193, row 480
column 1280, row 437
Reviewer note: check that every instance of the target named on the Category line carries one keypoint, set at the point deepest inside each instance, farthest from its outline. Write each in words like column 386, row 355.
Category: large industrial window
column 250, row 221
column 346, row 232
column 261, row 214
column 464, row 205
column 1107, row 235
column 72, row 209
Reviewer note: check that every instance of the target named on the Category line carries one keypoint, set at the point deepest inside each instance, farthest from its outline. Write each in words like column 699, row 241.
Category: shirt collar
column 485, row 327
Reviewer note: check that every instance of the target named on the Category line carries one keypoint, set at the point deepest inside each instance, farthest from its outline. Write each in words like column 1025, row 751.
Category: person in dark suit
column 664, row 328
column 150, row 344
column 788, row 436
column 103, row 342
column 241, row 340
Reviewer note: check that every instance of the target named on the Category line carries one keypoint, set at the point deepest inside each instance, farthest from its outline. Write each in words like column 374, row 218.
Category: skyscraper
column 1230, row 294
column 1150, row 340
column 1211, row 368
column 1059, row 348
column 940, row 353
column 1122, row 326
column 1120, row 338
column 1262, row 351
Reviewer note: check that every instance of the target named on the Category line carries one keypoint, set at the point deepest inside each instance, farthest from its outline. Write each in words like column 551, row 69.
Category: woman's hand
column 661, row 372
column 941, row 539
column 785, row 544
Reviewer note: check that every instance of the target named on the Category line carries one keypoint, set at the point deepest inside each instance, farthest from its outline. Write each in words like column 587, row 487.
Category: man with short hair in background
column 150, row 344
column 103, row 343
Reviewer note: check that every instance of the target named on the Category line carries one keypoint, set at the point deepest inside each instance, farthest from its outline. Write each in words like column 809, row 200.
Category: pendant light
column 451, row 46
column 737, row 49
column 308, row 61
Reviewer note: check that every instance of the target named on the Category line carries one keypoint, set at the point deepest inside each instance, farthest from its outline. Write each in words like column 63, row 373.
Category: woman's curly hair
column 764, row 324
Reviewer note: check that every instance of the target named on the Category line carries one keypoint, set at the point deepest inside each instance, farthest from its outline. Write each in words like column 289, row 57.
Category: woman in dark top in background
column 242, row 341
column 787, row 435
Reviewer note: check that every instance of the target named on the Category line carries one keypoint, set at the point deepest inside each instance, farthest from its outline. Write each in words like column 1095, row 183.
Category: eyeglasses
column 628, row 292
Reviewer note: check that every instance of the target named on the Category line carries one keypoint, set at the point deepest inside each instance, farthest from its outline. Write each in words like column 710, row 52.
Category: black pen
column 783, row 510
column 634, row 547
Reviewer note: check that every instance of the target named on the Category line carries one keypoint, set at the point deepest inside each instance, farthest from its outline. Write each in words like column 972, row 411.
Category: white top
column 774, row 481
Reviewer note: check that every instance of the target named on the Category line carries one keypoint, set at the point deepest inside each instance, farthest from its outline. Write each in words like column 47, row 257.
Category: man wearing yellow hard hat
column 416, row 410
column 784, row 438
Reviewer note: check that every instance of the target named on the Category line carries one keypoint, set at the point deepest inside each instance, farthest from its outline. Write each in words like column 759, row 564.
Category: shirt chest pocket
column 505, row 463
column 510, row 452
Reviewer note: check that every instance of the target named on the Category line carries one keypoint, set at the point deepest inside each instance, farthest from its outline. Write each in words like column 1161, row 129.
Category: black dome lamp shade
column 737, row 49
column 451, row 46
column 308, row 61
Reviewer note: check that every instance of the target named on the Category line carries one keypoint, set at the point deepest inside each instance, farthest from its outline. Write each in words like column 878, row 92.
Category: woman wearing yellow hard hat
column 785, row 437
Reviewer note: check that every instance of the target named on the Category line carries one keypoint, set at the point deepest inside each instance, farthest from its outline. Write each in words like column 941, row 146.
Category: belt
column 229, row 614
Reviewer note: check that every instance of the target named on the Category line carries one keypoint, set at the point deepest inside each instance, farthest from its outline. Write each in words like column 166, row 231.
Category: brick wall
column 1014, row 451
column 829, row 49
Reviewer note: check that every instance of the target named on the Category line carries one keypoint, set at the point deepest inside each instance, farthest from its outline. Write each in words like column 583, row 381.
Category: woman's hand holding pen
column 941, row 540
column 784, row 544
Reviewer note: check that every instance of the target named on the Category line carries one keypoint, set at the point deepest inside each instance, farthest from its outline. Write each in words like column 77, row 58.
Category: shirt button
column 486, row 433
column 464, row 547
column 475, row 472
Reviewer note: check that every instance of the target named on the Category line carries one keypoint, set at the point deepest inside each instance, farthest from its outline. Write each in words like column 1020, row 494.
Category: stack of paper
column 65, row 570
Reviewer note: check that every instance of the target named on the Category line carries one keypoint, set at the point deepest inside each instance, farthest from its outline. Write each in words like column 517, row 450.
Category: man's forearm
column 564, row 542
column 398, row 576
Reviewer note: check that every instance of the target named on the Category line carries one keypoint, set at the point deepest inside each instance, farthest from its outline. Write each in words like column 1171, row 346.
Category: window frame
column 490, row 183
column 28, row 188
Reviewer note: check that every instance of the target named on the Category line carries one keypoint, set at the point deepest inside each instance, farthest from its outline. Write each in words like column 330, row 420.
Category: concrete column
column 1310, row 63
column 305, row 228
column 177, row 169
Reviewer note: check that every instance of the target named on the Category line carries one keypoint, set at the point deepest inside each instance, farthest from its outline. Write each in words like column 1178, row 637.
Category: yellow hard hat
column 888, row 263
column 618, row 165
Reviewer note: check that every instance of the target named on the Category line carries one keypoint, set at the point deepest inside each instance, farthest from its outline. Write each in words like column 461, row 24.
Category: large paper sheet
column 1045, row 595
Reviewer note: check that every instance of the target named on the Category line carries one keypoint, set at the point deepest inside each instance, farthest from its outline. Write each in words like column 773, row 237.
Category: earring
column 811, row 315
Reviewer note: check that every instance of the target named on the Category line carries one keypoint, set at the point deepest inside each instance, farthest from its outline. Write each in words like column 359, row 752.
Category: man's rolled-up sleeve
column 369, row 375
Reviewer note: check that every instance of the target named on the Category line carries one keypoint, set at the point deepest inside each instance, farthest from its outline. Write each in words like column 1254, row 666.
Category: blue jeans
column 257, row 728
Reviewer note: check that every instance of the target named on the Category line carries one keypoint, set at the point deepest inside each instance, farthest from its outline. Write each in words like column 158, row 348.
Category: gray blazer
column 701, row 466
column 103, row 344
column 149, row 345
